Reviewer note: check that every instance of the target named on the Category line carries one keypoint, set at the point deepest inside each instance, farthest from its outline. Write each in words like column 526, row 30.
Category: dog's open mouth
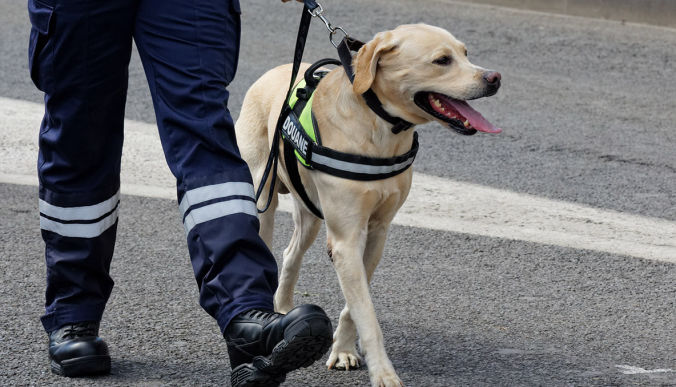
column 456, row 113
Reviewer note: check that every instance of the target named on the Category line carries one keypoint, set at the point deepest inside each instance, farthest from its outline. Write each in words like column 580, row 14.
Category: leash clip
column 317, row 12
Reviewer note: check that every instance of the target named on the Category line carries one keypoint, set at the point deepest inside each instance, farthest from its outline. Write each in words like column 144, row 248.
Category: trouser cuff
column 54, row 320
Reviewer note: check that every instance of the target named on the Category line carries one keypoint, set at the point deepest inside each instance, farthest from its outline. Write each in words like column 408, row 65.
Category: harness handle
column 310, row 80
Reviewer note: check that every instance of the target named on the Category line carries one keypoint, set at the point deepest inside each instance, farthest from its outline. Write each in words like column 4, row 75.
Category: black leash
column 309, row 7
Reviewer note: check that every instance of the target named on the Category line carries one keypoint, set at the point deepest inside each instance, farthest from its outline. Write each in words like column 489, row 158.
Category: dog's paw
column 283, row 309
column 283, row 306
column 344, row 361
column 386, row 379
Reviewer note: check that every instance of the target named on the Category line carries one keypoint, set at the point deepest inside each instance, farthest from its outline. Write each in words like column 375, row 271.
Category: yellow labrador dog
column 420, row 73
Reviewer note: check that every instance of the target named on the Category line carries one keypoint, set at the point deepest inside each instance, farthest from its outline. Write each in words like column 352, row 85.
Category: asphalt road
column 588, row 110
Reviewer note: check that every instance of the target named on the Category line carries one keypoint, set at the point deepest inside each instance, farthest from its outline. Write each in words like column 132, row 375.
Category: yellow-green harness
column 302, row 141
column 305, row 144
column 300, row 132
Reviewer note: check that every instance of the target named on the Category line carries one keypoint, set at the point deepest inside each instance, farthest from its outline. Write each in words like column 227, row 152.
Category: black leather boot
column 264, row 346
column 76, row 350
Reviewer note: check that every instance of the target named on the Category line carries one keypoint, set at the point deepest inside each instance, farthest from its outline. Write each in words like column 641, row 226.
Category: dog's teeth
column 437, row 103
column 466, row 123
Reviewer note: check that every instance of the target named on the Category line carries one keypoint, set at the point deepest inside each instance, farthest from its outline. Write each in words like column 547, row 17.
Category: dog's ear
column 366, row 61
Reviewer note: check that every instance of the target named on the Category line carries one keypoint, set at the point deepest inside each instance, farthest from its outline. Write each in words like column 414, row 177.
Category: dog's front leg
column 344, row 355
column 348, row 251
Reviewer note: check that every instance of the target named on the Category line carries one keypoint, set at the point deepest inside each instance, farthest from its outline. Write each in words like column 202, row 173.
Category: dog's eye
column 443, row 60
column 465, row 52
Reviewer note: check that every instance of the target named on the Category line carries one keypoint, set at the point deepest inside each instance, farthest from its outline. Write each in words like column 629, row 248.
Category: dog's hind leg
column 348, row 257
column 267, row 218
column 306, row 227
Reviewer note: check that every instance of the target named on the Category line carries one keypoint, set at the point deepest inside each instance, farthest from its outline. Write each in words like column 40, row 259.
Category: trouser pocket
column 235, row 13
column 40, row 14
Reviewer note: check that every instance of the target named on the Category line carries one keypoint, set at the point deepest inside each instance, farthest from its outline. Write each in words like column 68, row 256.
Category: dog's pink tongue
column 475, row 118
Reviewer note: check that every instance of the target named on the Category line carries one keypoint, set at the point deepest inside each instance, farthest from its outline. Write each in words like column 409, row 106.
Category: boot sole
column 305, row 342
column 82, row 366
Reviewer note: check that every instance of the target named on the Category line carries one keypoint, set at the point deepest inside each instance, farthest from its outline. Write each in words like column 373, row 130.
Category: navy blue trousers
column 78, row 56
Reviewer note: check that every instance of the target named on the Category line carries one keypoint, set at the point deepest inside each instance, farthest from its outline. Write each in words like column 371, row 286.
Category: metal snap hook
column 317, row 12
column 333, row 33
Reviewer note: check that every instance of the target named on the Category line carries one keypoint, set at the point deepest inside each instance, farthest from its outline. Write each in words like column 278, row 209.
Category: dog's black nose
column 492, row 79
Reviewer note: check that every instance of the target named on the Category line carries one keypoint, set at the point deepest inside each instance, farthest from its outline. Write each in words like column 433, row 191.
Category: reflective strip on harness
column 359, row 168
column 356, row 167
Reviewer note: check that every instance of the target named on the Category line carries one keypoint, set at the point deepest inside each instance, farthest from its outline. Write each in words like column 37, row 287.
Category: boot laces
column 261, row 315
column 79, row 330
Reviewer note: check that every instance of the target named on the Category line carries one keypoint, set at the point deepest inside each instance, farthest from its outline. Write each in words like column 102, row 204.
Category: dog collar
column 345, row 48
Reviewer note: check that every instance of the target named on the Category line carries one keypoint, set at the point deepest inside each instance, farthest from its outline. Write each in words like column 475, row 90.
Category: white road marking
column 434, row 203
column 631, row 370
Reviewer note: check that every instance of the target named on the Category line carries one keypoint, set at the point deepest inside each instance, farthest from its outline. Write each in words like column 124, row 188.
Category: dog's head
column 422, row 73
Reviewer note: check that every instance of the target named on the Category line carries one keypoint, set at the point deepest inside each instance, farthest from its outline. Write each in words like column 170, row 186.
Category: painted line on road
column 632, row 370
column 434, row 202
